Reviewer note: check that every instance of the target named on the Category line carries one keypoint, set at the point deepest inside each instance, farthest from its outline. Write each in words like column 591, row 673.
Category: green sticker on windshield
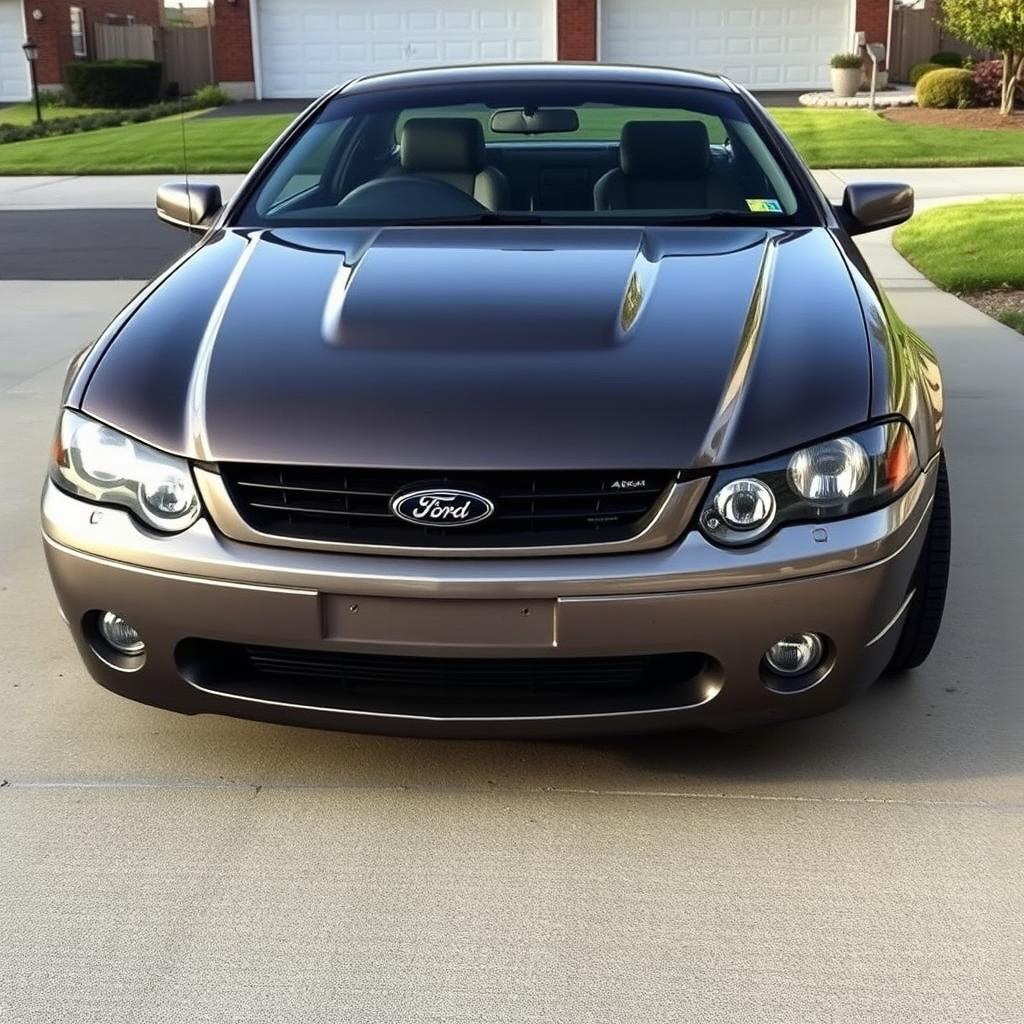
column 765, row 206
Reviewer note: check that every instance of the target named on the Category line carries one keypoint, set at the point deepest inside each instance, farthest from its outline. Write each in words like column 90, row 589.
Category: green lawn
column 25, row 113
column 825, row 138
column 859, row 138
column 971, row 247
column 214, row 144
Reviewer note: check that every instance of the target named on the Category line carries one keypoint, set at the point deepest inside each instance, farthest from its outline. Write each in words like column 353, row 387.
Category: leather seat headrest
column 443, row 144
column 664, row 149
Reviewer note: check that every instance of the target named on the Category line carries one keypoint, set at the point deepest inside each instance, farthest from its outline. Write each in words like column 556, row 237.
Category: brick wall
column 577, row 29
column 873, row 18
column 53, row 32
column 232, row 42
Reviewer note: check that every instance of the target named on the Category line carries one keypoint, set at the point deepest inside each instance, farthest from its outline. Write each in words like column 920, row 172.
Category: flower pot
column 846, row 81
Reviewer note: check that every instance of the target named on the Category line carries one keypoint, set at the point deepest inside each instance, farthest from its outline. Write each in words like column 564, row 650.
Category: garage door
column 13, row 69
column 307, row 46
column 769, row 45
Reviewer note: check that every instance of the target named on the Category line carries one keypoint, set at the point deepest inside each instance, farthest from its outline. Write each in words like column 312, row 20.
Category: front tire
column 929, row 582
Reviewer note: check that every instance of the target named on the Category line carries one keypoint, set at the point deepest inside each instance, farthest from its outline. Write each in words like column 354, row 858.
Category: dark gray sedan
column 508, row 400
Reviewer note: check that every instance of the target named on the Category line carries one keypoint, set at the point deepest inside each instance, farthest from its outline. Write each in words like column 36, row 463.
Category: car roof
column 553, row 71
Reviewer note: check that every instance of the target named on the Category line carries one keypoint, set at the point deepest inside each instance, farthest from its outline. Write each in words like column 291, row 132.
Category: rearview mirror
column 870, row 206
column 192, row 207
column 535, row 122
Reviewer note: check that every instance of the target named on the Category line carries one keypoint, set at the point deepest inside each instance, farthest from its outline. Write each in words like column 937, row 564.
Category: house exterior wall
column 577, row 29
column 873, row 19
column 233, row 48
column 577, row 36
column 52, row 32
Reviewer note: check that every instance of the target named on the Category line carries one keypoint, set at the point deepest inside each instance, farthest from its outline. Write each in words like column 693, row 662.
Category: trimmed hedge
column 918, row 71
column 92, row 122
column 948, row 59
column 114, row 83
column 948, row 87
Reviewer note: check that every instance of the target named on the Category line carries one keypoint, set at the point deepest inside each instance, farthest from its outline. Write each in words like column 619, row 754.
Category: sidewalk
column 136, row 192
column 96, row 192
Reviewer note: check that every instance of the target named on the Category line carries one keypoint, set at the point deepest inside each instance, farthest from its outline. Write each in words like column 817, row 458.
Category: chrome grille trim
column 669, row 517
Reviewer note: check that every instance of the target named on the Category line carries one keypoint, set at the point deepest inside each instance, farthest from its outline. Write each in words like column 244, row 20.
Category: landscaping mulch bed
column 1004, row 304
column 975, row 117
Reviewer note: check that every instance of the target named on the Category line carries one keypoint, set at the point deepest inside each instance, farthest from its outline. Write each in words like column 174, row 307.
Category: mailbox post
column 876, row 51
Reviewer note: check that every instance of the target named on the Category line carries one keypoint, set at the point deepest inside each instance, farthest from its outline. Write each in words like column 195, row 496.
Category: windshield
column 537, row 152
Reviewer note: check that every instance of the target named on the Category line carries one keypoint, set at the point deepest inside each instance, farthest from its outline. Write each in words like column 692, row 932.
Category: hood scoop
column 461, row 298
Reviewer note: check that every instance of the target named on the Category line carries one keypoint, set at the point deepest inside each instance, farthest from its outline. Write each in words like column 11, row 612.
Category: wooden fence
column 185, row 52
column 917, row 34
column 126, row 42
column 187, row 57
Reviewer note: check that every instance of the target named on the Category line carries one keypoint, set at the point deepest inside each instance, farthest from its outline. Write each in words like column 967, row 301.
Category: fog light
column 121, row 635
column 794, row 655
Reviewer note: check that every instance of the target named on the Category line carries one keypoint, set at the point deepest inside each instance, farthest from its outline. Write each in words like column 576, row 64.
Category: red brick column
column 52, row 34
column 873, row 19
column 577, row 29
column 232, row 47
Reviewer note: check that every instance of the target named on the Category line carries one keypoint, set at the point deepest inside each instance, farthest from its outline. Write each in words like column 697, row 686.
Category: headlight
column 839, row 477
column 95, row 461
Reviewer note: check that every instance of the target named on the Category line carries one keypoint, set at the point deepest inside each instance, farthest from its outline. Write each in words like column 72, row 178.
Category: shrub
column 53, row 98
column 90, row 122
column 947, row 59
column 988, row 84
column 210, row 96
column 114, row 83
column 918, row 71
column 947, row 87
column 847, row 60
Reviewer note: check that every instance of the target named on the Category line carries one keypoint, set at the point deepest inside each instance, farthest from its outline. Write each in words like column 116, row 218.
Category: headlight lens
column 95, row 461
column 839, row 477
column 745, row 504
column 829, row 473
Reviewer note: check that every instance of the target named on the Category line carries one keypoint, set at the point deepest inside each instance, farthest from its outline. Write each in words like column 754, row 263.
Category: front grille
column 446, row 687
column 530, row 509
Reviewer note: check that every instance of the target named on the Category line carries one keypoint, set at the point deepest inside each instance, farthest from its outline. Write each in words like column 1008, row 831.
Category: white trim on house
column 254, row 42
column 888, row 35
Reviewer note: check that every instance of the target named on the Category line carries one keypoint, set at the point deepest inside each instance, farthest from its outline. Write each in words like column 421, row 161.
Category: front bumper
column 198, row 592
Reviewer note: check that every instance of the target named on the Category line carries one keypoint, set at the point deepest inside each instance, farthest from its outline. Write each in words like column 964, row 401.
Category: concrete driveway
column 860, row 867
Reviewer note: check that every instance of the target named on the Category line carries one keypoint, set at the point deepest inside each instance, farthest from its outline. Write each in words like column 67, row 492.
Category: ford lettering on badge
column 442, row 507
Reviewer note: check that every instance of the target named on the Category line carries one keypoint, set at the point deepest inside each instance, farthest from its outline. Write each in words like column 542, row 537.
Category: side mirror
column 869, row 206
column 191, row 207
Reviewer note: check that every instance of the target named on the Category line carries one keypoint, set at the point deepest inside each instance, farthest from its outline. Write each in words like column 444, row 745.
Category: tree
column 992, row 25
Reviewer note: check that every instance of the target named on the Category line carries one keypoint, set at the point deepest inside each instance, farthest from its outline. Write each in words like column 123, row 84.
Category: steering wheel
column 408, row 197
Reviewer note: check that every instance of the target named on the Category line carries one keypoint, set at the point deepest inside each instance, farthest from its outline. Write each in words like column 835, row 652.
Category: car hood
column 470, row 348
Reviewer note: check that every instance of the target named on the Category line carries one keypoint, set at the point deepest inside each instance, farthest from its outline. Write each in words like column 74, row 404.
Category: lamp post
column 31, row 51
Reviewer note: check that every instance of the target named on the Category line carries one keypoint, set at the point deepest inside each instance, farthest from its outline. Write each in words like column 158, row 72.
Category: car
column 512, row 400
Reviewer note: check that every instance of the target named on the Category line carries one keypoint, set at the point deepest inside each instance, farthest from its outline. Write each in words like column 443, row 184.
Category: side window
column 78, row 47
column 305, row 166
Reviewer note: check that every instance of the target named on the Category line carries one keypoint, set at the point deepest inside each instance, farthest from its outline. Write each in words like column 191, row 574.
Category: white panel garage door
column 307, row 46
column 13, row 69
column 763, row 44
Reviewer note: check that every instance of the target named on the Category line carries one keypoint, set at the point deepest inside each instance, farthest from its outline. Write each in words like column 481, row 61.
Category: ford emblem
column 442, row 507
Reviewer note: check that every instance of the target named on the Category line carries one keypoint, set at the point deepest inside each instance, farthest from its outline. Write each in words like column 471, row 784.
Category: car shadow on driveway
column 926, row 736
